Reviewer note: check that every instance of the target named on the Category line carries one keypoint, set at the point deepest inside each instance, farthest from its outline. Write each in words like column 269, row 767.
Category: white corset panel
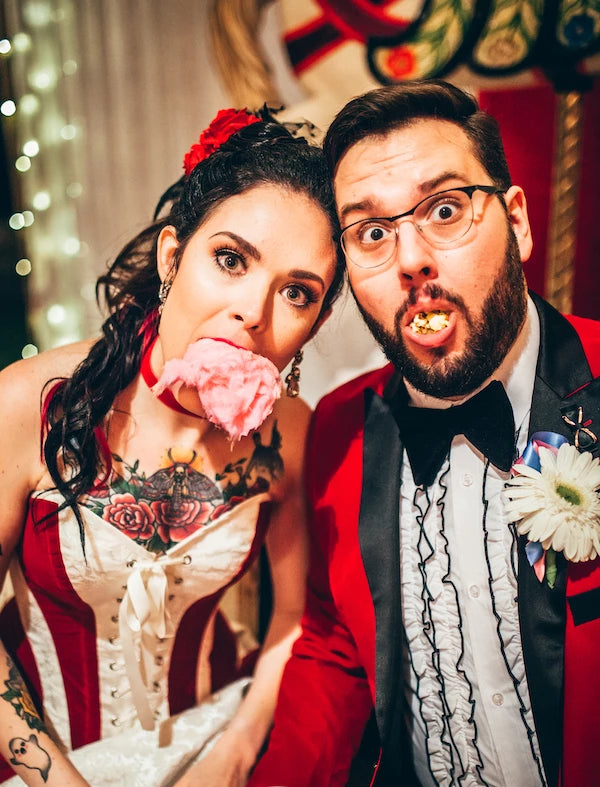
column 138, row 600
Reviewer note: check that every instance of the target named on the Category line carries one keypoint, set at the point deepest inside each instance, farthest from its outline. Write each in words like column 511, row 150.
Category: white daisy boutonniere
column 554, row 499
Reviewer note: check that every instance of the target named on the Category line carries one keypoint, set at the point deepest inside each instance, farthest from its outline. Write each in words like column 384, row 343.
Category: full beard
column 489, row 339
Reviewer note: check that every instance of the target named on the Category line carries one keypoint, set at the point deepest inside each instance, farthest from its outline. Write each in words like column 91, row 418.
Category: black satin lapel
column 380, row 547
column 562, row 368
column 562, row 364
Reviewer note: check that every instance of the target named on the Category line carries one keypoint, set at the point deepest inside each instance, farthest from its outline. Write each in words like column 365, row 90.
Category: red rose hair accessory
column 226, row 123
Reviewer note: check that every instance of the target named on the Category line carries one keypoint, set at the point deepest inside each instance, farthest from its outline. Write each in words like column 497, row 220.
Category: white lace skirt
column 157, row 758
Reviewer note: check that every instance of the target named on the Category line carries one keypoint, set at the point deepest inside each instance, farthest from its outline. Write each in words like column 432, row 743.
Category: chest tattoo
column 164, row 508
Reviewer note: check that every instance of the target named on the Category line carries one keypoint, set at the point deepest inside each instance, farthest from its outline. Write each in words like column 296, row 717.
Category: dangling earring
column 165, row 287
column 293, row 378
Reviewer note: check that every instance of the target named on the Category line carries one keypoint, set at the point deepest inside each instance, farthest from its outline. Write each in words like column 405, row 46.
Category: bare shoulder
column 22, row 383
column 31, row 374
column 289, row 423
column 293, row 417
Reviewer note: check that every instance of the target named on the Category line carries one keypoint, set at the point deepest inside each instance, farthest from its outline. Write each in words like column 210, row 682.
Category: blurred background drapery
column 100, row 99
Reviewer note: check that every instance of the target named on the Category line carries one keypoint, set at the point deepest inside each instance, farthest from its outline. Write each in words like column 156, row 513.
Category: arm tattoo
column 18, row 696
column 30, row 754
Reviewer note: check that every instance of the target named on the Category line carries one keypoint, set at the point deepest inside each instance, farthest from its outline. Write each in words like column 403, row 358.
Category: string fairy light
column 41, row 200
column 23, row 164
column 38, row 53
column 31, row 148
column 23, row 267
column 8, row 107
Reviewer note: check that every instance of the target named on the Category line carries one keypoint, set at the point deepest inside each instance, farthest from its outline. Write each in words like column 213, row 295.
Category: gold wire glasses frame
column 442, row 219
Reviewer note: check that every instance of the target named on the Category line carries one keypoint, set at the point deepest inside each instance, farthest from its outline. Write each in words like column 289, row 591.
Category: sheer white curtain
column 114, row 92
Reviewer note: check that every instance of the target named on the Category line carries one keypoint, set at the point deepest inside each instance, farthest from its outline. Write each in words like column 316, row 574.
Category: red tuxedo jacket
column 347, row 661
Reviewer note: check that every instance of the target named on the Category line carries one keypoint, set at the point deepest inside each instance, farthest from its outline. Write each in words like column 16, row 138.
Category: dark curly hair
column 266, row 152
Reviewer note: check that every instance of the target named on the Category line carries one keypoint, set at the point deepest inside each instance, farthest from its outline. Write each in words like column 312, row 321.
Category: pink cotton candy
column 237, row 388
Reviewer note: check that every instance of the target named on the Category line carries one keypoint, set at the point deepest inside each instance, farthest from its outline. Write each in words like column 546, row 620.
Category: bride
column 168, row 458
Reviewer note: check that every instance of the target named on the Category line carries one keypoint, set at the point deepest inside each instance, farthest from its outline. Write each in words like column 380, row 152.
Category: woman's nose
column 253, row 313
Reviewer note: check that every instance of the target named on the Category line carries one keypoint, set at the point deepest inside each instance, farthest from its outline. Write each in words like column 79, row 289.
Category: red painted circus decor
column 493, row 37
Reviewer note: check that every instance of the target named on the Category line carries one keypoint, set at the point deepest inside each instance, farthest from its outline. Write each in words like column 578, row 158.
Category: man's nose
column 415, row 258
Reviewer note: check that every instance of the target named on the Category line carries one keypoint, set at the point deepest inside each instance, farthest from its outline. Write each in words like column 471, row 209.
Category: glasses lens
column 445, row 217
column 369, row 243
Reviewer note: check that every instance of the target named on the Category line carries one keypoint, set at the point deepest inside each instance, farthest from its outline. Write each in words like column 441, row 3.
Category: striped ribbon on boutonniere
column 553, row 497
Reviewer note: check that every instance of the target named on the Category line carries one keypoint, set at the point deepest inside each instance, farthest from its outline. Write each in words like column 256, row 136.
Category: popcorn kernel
column 430, row 322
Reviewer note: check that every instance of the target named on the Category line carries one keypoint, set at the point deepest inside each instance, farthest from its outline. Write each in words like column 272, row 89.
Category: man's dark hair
column 384, row 109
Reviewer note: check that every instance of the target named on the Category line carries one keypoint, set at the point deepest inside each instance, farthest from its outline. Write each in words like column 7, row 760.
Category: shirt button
column 467, row 479
column 498, row 699
column 474, row 591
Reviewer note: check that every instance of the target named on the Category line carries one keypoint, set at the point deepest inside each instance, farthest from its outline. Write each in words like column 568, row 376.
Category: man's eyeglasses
column 442, row 219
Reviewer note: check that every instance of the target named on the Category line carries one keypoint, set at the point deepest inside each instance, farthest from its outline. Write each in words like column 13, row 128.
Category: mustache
column 435, row 292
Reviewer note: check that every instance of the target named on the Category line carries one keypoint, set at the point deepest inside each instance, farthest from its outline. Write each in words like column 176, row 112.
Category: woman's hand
column 228, row 764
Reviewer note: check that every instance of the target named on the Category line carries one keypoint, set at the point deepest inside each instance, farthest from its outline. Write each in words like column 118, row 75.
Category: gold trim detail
column 560, row 266
column 234, row 31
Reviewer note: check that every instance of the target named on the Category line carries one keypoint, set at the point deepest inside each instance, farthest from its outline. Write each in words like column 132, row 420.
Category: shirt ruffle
column 433, row 630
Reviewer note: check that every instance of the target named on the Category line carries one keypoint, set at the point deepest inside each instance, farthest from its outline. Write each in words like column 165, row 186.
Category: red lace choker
column 166, row 397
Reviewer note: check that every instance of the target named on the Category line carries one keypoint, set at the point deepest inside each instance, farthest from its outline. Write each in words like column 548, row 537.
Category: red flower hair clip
column 226, row 123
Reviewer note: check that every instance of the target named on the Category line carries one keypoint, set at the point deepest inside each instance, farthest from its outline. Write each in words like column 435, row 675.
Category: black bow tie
column 486, row 420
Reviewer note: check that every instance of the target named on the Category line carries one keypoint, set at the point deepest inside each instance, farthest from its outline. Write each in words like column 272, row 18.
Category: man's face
column 477, row 283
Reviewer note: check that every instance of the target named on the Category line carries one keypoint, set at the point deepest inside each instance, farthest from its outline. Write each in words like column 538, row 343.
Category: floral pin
column 554, row 499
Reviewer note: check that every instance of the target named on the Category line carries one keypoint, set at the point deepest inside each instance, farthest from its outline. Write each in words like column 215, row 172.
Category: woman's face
column 255, row 273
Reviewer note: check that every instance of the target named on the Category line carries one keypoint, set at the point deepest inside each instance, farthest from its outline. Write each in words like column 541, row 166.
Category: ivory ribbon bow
column 143, row 611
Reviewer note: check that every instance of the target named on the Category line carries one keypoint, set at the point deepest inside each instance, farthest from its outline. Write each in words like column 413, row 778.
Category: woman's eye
column 230, row 261
column 298, row 295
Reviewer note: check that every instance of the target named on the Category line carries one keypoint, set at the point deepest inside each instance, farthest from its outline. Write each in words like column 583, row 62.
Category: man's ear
column 322, row 319
column 516, row 206
column 166, row 247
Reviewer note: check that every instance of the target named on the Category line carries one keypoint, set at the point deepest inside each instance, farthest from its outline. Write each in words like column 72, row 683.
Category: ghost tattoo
column 29, row 753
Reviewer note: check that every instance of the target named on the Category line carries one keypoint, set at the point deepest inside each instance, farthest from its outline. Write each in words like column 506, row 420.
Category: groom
column 428, row 635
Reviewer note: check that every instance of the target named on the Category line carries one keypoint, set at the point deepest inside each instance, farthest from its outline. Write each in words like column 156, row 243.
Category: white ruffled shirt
column 465, row 681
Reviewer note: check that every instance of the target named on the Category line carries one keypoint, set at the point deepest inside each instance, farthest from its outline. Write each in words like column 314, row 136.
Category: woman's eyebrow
column 246, row 246
column 299, row 273
column 252, row 251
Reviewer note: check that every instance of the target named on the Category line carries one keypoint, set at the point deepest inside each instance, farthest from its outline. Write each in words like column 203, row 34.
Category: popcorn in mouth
column 430, row 322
